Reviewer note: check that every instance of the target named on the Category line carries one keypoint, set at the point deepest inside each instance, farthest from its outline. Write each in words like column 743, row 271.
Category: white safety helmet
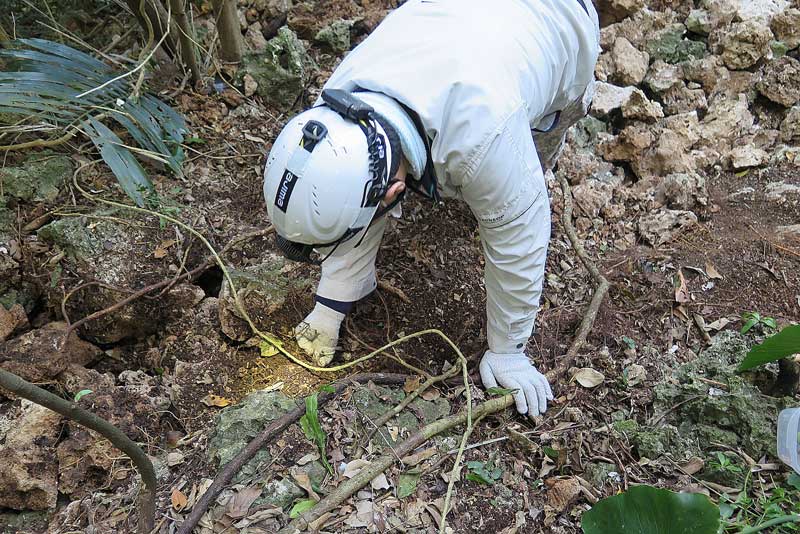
column 326, row 174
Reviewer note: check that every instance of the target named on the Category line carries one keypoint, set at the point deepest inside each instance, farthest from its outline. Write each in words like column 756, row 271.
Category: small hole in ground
column 211, row 281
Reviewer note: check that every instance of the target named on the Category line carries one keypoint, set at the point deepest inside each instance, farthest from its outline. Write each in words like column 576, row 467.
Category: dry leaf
column 379, row 482
column 351, row 469
column 412, row 383
column 363, row 516
column 215, row 400
column 635, row 374
column 174, row 458
column 304, row 481
column 241, row 502
column 712, row 272
column 681, row 290
column 562, row 493
column 414, row 459
column 178, row 499
column 431, row 394
column 310, row 457
column 719, row 324
column 693, row 465
column 588, row 377
column 161, row 250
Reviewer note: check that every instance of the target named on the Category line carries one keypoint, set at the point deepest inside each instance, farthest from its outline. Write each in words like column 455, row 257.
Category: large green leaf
column 783, row 344
column 45, row 82
column 649, row 510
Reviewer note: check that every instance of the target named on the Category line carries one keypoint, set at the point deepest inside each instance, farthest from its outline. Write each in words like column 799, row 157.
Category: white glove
column 318, row 334
column 515, row 371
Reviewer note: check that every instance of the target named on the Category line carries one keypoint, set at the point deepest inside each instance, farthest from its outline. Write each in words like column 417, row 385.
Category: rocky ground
column 685, row 180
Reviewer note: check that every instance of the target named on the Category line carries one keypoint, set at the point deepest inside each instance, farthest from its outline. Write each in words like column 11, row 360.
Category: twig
column 147, row 503
column 378, row 466
column 396, row 291
column 599, row 293
column 386, row 417
column 272, row 430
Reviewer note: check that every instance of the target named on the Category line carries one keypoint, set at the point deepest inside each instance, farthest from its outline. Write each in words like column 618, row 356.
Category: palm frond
column 46, row 81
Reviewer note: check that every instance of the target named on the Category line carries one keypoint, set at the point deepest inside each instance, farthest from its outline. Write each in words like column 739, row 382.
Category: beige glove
column 318, row 334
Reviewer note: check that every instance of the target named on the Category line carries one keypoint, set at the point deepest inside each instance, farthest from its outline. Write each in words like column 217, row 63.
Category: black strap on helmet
column 358, row 111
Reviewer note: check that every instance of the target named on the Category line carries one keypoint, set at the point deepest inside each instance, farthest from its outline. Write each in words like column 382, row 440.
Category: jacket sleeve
column 350, row 276
column 503, row 183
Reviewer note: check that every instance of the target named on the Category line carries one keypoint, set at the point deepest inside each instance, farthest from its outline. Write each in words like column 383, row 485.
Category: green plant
column 751, row 319
column 313, row 431
column 483, row 472
column 52, row 87
column 724, row 463
column 649, row 510
column 783, row 344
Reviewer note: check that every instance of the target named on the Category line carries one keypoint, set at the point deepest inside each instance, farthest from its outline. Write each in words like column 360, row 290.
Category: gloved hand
column 318, row 334
column 515, row 371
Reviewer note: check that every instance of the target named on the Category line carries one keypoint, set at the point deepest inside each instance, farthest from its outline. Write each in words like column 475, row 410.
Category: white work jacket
column 481, row 75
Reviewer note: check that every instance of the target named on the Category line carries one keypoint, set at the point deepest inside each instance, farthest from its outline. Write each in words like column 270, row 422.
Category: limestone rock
column 744, row 43
column 681, row 99
column 788, row 233
column 745, row 156
column 682, row 191
column 608, row 97
column 12, row 320
column 638, row 107
column 281, row 69
column 28, row 434
column 235, row 426
column 630, row 65
column 670, row 46
column 663, row 76
column 727, row 118
column 38, row 179
column 263, row 289
column 708, row 71
column 790, row 127
column 781, row 192
column 663, row 225
column 374, row 402
column 254, row 38
column 780, row 81
column 628, row 145
column 610, row 11
column 761, row 10
column 786, row 27
column 38, row 356
column 335, row 36
column 741, row 416
column 699, row 21
column 592, row 196
column 637, row 28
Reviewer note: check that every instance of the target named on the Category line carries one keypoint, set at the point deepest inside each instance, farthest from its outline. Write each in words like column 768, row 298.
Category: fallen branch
column 70, row 410
column 599, row 293
column 378, row 466
column 272, row 430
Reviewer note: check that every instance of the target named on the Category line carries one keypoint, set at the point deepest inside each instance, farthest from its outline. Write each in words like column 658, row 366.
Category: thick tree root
column 272, row 431
column 346, row 489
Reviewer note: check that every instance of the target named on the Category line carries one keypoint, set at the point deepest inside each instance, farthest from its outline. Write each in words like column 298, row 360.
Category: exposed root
column 599, row 293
